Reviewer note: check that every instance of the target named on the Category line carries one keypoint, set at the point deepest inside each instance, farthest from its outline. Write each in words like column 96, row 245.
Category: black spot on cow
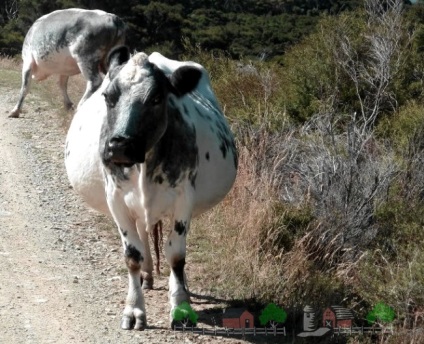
column 124, row 233
column 224, row 148
column 226, row 141
column 178, row 269
column 158, row 179
column 180, row 227
column 207, row 156
column 132, row 253
column 133, row 258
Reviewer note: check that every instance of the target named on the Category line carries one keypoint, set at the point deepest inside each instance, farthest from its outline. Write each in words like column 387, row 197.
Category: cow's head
column 137, row 101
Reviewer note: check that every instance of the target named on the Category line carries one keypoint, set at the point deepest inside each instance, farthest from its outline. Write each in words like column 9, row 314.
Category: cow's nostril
column 117, row 141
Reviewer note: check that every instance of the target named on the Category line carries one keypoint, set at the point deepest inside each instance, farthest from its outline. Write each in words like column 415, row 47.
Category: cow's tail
column 157, row 236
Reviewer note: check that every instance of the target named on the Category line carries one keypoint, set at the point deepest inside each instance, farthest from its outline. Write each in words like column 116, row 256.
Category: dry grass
column 9, row 63
column 251, row 233
column 48, row 89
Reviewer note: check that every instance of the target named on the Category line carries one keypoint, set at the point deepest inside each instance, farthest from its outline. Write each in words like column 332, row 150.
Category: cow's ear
column 185, row 79
column 116, row 58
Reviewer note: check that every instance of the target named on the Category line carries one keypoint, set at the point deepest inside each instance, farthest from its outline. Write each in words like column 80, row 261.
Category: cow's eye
column 110, row 101
column 157, row 99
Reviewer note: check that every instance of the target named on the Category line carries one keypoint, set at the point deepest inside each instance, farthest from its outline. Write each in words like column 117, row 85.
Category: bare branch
column 11, row 9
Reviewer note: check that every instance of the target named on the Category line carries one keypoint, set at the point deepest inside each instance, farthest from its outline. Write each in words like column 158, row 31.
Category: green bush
column 249, row 92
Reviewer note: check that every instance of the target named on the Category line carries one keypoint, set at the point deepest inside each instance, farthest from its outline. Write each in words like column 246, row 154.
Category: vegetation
column 382, row 313
column 327, row 207
column 240, row 28
column 185, row 314
column 273, row 315
column 329, row 117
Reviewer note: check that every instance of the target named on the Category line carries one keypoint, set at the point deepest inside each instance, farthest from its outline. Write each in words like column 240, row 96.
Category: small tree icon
column 381, row 313
column 184, row 313
column 273, row 315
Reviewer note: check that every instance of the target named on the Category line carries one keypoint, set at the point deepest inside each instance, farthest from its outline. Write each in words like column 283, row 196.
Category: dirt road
column 62, row 276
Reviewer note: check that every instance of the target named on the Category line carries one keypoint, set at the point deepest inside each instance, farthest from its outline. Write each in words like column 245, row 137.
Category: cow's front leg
column 134, row 315
column 147, row 266
column 175, row 251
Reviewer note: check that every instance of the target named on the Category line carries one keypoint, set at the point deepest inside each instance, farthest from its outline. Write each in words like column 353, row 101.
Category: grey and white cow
column 69, row 42
column 151, row 143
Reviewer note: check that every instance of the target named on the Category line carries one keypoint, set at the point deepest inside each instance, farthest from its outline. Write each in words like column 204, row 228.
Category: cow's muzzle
column 124, row 151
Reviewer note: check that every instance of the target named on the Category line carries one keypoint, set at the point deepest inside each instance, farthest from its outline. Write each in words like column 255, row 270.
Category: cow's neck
column 175, row 153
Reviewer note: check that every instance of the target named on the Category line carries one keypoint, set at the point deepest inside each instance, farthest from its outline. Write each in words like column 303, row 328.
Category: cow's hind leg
column 26, row 83
column 63, row 84
column 175, row 251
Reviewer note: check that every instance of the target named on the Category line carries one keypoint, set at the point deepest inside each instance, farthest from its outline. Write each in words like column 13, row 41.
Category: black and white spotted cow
column 69, row 42
column 151, row 143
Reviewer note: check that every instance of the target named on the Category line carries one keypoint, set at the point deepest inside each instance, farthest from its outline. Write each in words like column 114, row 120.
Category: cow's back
column 56, row 40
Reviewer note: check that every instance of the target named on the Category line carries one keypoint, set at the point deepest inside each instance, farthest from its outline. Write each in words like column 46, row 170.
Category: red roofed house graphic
column 337, row 317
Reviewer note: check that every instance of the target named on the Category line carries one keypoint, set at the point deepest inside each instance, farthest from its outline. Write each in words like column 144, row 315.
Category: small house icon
column 337, row 316
column 237, row 318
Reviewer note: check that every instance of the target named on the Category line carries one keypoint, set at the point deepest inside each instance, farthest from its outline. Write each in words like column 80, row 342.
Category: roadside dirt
column 62, row 275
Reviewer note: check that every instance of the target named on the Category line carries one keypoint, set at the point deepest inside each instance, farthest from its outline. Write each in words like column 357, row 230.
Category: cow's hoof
column 177, row 325
column 131, row 322
column 127, row 323
column 147, row 283
column 69, row 107
column 140, row 324
column 14, row 114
